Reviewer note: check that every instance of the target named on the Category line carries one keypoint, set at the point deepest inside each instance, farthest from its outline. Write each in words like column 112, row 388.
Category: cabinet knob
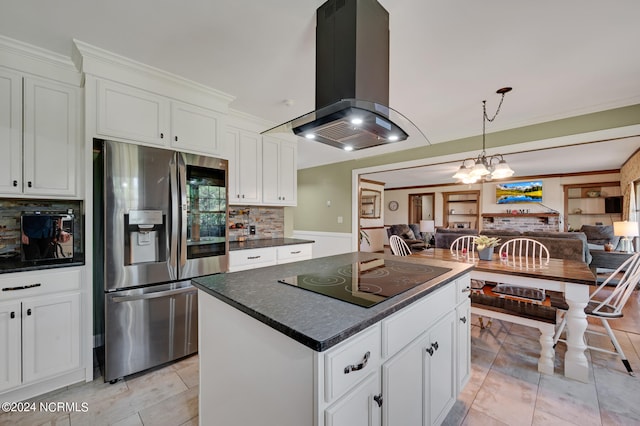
column 430, row 350
column 15, row 183
column 28, row 311
column 464, row 320
column 161, row 135
column 355, row 367
column 13, row 315
column 378, row 399
column 29, row 184
column 435, row 345
column 176, row 138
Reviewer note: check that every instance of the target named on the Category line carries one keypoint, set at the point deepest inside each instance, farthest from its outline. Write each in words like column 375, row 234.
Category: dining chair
column 524, row 250
column 398, row 246
column 463, row 245
column 606, row 307
column 524, row 253
column 521, row 253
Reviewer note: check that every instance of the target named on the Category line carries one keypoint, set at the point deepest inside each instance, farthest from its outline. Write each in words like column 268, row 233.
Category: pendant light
column 485, row 168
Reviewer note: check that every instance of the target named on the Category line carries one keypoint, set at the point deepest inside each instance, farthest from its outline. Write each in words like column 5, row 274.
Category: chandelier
column 485, row 168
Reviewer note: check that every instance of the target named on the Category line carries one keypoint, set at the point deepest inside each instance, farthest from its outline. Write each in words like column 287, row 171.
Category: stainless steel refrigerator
column 162, row 220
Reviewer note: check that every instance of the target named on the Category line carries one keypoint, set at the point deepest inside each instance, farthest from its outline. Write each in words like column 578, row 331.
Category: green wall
column 332, row 182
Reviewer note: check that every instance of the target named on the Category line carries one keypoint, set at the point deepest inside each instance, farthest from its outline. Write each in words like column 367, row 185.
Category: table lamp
column 428, row 227
column 625, row 230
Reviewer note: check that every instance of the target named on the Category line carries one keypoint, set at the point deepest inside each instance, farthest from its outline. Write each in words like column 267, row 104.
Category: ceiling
column 527, row 163
column 562, row 58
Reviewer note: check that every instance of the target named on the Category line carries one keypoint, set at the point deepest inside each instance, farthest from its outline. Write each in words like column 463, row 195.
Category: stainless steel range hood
column 352, row 80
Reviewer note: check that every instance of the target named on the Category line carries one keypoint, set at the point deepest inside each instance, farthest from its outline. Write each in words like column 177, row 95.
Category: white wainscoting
column 326, row 243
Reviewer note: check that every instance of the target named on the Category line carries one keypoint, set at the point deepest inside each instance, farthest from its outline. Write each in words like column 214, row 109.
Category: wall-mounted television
column 613, row 204
column 519, row 192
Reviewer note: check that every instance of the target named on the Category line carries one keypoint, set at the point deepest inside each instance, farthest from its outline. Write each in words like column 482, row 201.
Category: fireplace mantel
column 544, row 216
column 522, row 221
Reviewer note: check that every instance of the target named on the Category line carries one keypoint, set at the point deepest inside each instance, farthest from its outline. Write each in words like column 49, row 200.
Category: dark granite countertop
column 14, row 264
column 317, row 321
column 265, row 242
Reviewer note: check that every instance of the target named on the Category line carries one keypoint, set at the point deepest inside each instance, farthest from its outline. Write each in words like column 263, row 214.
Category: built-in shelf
column 461, row 209
column 581, row 209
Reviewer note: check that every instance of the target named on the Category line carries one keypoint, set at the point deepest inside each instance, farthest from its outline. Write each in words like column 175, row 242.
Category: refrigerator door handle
column 174, row 207
column 182, row 205
column 153, row 295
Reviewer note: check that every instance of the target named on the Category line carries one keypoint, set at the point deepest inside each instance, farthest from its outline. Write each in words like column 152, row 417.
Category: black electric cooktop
column 366, row 283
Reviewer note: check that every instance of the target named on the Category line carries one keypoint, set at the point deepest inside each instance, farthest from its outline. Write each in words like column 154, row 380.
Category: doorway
column 421, row 207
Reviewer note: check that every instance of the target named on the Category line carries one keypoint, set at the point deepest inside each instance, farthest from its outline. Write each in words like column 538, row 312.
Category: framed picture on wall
column 519, row 192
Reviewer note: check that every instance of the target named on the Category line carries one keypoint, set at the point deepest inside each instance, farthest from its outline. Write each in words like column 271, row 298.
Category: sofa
column 561, row 245
column 410, row 233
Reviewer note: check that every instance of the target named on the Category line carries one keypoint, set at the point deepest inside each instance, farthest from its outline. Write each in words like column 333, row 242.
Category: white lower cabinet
column 50, row 335
column 359, row 407
column 240, row 260
column 405, row 370
column 10, row 350
column 40, row 332
column 418, row 384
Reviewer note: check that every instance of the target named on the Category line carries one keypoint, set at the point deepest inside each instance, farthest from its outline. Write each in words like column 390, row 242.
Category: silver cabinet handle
column 355, row 367
column 21, row 287
column 153, row 295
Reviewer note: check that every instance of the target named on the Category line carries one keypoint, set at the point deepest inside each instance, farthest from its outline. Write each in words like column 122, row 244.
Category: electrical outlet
column 252, row 230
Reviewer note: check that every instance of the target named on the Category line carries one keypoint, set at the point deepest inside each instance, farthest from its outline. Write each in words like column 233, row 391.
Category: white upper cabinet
column 41, row 151
column 244, row 151
column 11, row 132
column 129, row 113
column 195, row 129
column 50, row 137
column 139, row 116
column 279, row 181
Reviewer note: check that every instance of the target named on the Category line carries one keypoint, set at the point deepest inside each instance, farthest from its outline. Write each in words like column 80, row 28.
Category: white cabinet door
column 11, row 132
column 288, row 181
column 358, row 407
column 419, row 382
column 129, row 113
column 279, row 172
column 195, row 129
column 50, row 335
column 441, row 364
column 245, row 167
column 463, row 350
column 50, row 138
column 403, row 386
column 10, row 351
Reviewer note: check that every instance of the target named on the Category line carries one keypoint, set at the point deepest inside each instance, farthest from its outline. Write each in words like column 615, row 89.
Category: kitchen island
column 275, row 354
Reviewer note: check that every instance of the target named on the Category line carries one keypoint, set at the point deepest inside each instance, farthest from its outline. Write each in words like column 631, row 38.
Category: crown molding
column 108, row 65
column 37, row 61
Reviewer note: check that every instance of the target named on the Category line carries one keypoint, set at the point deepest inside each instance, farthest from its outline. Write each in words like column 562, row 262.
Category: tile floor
column 505, row 387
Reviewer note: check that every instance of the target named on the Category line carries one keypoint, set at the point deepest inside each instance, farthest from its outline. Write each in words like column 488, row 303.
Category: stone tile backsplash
column 269, row 222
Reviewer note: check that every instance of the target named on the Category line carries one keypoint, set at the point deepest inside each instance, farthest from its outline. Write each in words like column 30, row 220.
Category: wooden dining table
column 571, row 277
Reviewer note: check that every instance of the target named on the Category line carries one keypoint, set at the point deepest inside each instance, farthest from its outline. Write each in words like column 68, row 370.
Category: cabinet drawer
column 351, row 362
column 463, row 288
column 404, row 326
column 24, row 284
column 293, row 253
column 251, row 258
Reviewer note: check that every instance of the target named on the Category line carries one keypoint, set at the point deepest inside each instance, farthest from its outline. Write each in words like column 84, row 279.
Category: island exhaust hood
column 352, row 80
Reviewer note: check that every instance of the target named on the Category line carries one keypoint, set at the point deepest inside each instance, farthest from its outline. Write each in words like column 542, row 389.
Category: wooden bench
column 524, row 313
